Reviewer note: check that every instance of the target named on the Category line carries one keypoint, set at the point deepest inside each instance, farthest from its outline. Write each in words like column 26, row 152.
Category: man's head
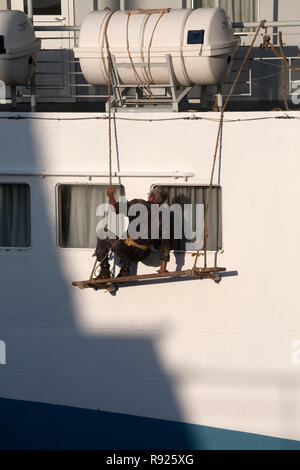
column 158, row 195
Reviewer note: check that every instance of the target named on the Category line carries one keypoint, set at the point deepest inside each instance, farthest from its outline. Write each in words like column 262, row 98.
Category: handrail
column 269, row 24
column 57, row 28
column 99, row 174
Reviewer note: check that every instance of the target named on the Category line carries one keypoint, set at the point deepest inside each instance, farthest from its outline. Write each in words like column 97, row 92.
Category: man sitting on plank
column 134, row 248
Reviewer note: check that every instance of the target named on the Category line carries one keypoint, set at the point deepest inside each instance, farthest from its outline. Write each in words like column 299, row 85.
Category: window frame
column 21, row 248
column 188, row 185
column 25, row 7
column 57, row 215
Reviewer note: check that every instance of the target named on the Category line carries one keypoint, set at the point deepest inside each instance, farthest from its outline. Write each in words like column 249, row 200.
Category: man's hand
column 110, row 192
column 111, row 195
column 163, row 268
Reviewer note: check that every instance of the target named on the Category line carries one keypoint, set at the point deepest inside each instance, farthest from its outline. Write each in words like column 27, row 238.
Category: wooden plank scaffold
column 112, row 283
column 200, row 273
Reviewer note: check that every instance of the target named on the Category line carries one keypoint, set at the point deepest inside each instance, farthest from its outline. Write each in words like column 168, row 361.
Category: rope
column 138, row 80
column 140, row 86
column 18, row 117
column 93, row 270
column 262, row 24
column 185, row 72
column 148, row 71
column 109, row 125
column 95, row 267
column 284, row 88
column 109, row 68
column 284, row 63
column 109, row 64
column 268, row 44
column 148, row 74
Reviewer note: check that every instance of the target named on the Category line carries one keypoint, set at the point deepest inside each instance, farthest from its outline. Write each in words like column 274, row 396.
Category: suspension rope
column 109, row 124
column 142, row 87
column 207, row 205
column 109, row 71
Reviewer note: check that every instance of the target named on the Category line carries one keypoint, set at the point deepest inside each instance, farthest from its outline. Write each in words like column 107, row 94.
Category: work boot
column 124, row 271
column 104, row 272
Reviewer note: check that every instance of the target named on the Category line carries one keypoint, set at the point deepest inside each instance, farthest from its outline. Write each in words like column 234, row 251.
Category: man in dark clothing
column 133, row 249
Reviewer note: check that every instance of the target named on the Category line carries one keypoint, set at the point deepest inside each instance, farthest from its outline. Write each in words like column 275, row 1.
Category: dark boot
column 124, row 271
column 104, row 272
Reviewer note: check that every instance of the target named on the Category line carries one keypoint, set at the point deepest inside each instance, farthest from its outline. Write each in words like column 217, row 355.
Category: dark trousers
column 126, row 253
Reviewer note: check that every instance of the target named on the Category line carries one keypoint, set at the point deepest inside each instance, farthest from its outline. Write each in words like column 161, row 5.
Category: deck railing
column 59, row 78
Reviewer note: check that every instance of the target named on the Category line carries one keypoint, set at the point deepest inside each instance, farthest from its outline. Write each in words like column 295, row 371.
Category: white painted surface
column 217, row 355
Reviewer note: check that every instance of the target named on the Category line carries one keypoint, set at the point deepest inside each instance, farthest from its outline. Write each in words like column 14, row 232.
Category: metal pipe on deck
column 122, row 4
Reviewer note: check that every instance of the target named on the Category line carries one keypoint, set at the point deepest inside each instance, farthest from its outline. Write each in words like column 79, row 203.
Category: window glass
column 238, row 10
column 14, row 215
column 77, row 207
column 44, row 7
column 193, row 195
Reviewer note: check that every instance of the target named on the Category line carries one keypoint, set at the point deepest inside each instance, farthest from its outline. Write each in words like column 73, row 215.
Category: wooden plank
column 211, row 270
column 136, row 278
column 99, row 283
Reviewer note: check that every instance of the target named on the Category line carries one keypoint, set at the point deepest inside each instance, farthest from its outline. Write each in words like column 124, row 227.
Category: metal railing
column 241, row 24
column 67, row 84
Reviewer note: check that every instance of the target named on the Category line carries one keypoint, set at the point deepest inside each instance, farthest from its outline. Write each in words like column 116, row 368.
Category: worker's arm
column 111, row 196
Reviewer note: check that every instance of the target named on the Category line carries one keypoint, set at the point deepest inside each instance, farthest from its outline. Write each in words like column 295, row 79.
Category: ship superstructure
column 206, row 364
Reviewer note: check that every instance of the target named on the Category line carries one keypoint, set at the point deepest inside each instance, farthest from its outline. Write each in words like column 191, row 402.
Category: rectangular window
column 195, row 36
column 77, row 219
column 14, row 215
column 194, row 195
column 44, row 7
column 238, row 10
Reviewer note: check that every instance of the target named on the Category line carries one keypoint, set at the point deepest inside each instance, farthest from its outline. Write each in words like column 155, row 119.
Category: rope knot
column 266, row 42
column 263, row 23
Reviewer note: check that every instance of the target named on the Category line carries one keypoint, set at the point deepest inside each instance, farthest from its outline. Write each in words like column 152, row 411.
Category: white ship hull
column 215, row 356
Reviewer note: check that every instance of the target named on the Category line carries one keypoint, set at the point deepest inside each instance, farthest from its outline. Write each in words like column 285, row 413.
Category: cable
column 152, row 120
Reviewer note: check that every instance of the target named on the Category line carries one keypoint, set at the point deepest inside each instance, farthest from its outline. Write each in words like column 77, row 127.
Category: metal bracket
column 121, row 99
